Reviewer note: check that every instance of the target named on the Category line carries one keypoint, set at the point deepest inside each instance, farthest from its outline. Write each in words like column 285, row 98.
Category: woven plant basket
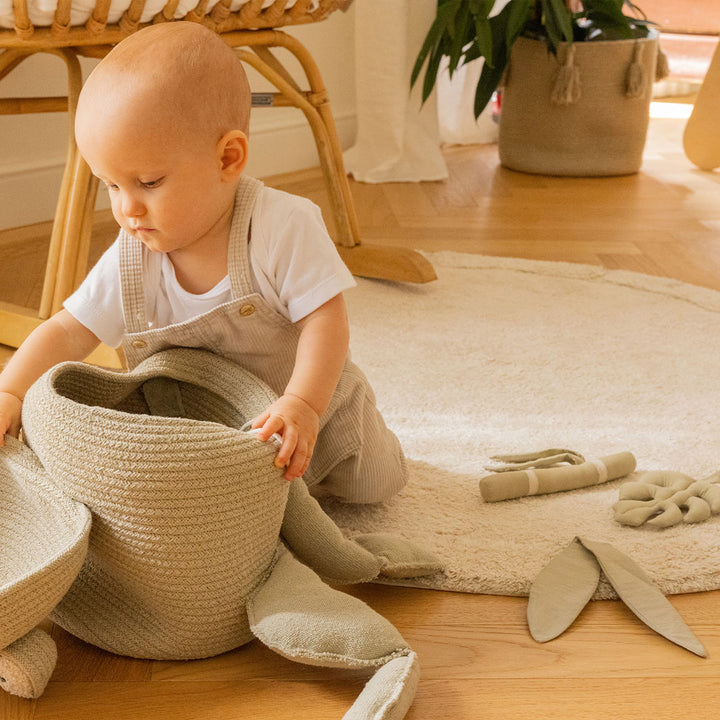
column 584, row 112
column 186, row 505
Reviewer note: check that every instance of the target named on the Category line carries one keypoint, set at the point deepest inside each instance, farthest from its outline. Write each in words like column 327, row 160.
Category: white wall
column 32, row 147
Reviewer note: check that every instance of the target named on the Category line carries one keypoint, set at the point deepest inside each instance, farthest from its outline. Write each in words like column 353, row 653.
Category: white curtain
column 399, row 139
column 396, row 140
column 456, row 117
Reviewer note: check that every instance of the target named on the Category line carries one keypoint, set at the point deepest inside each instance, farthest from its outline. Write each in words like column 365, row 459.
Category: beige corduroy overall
column 356, row 457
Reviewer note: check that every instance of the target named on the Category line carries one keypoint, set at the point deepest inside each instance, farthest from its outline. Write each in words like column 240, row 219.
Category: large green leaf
column 481, row 8
column 558, row 21
column 431, row 73
column 490, row 75
column 484, row 40
column 487, row 84
column 519, row 12
column 458, row 41
column 447, row 10
column 606, row 17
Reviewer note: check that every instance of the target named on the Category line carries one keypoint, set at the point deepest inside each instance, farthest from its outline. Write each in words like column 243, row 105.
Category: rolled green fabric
column 538, row 481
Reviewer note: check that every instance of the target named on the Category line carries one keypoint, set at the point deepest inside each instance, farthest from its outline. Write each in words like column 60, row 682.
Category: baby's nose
column 132, row 206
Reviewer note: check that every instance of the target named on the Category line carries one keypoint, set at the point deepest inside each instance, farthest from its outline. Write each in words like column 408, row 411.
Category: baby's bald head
column 175, row 76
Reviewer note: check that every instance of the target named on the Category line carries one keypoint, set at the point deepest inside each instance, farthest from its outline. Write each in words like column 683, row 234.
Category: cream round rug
column 505, row 356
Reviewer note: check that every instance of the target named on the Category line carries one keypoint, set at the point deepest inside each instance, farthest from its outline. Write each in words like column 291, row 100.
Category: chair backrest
column 98, row 30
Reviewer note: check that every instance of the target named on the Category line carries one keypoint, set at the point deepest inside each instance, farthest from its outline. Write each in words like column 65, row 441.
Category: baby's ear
column 232, row 152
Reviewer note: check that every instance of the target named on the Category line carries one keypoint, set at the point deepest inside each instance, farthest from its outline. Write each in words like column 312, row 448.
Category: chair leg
column 368, row 260
column 69, row 241
column 322, row 123
column 325, row 139
column 16, row 323
column 70, row 238
column 75, row 229
column 58, row 238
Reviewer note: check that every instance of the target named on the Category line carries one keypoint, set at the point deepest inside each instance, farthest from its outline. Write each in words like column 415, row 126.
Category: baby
column 208, row 257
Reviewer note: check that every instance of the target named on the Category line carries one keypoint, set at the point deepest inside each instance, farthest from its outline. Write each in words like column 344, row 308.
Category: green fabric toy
column 148, row 522
column 550, row 471
column 665, row 498
column 567, row 583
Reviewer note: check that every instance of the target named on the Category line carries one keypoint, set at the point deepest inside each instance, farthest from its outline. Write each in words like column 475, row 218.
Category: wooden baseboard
column 16, row 323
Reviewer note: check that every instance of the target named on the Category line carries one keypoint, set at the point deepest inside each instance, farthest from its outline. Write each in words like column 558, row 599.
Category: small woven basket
column 44, row 539
column 186, row 509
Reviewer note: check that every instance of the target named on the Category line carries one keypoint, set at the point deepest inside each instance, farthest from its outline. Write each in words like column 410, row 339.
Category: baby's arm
column 60, row 338
column 322, row 349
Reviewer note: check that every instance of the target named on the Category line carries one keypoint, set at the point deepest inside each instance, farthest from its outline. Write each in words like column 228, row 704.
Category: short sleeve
column 295, row 262
column 97, row 303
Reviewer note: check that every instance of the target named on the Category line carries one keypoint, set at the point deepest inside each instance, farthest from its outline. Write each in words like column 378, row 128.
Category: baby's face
column 166, row 187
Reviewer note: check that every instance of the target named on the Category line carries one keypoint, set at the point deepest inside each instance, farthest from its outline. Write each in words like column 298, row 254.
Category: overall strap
column 131, row 283
column 238, row 255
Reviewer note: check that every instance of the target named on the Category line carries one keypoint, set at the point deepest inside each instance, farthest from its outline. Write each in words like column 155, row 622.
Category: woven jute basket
column 44, row 539
column 186, row 504
column 584, row 112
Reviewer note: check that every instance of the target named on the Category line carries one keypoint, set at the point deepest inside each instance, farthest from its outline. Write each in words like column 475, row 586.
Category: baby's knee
column 361, row 479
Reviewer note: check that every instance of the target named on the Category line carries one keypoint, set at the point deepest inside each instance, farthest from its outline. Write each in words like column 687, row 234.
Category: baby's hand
column 10, row 409
column 297, row 423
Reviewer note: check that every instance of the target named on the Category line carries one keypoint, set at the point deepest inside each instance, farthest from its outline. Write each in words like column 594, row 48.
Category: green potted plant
column 576, row 78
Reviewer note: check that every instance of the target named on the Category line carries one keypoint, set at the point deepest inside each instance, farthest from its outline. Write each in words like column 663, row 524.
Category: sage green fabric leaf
column 540, row 458
column 389, row 692
column 641, row 595
column 300, row 617
column 561, row 590
column 162, row 394
column 295, row 614
column 400, row 558
column 318, row 542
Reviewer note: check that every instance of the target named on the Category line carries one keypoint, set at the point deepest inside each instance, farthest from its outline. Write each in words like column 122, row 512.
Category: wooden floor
column 478, row 660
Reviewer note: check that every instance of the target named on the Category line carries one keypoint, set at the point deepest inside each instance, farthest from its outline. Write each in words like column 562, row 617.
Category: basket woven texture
column 44, row 539
column 94, row 16
column 597, row 127
column 186, row 510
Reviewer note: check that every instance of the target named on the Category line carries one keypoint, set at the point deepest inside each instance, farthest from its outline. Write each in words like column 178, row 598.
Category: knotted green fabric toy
column 665, row 498
column 168, row 533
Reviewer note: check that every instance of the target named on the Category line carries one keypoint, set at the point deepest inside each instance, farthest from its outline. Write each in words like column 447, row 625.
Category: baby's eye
column 151, row 183
column 110, row 186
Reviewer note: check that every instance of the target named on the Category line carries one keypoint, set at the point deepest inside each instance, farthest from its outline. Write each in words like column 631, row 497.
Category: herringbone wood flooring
column 477, row 657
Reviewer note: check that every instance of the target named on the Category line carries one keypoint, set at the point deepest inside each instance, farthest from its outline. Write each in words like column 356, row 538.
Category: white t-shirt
column 294, row 266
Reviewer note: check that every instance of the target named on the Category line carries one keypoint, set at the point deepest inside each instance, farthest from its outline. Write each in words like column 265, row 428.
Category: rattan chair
column 252, row 30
